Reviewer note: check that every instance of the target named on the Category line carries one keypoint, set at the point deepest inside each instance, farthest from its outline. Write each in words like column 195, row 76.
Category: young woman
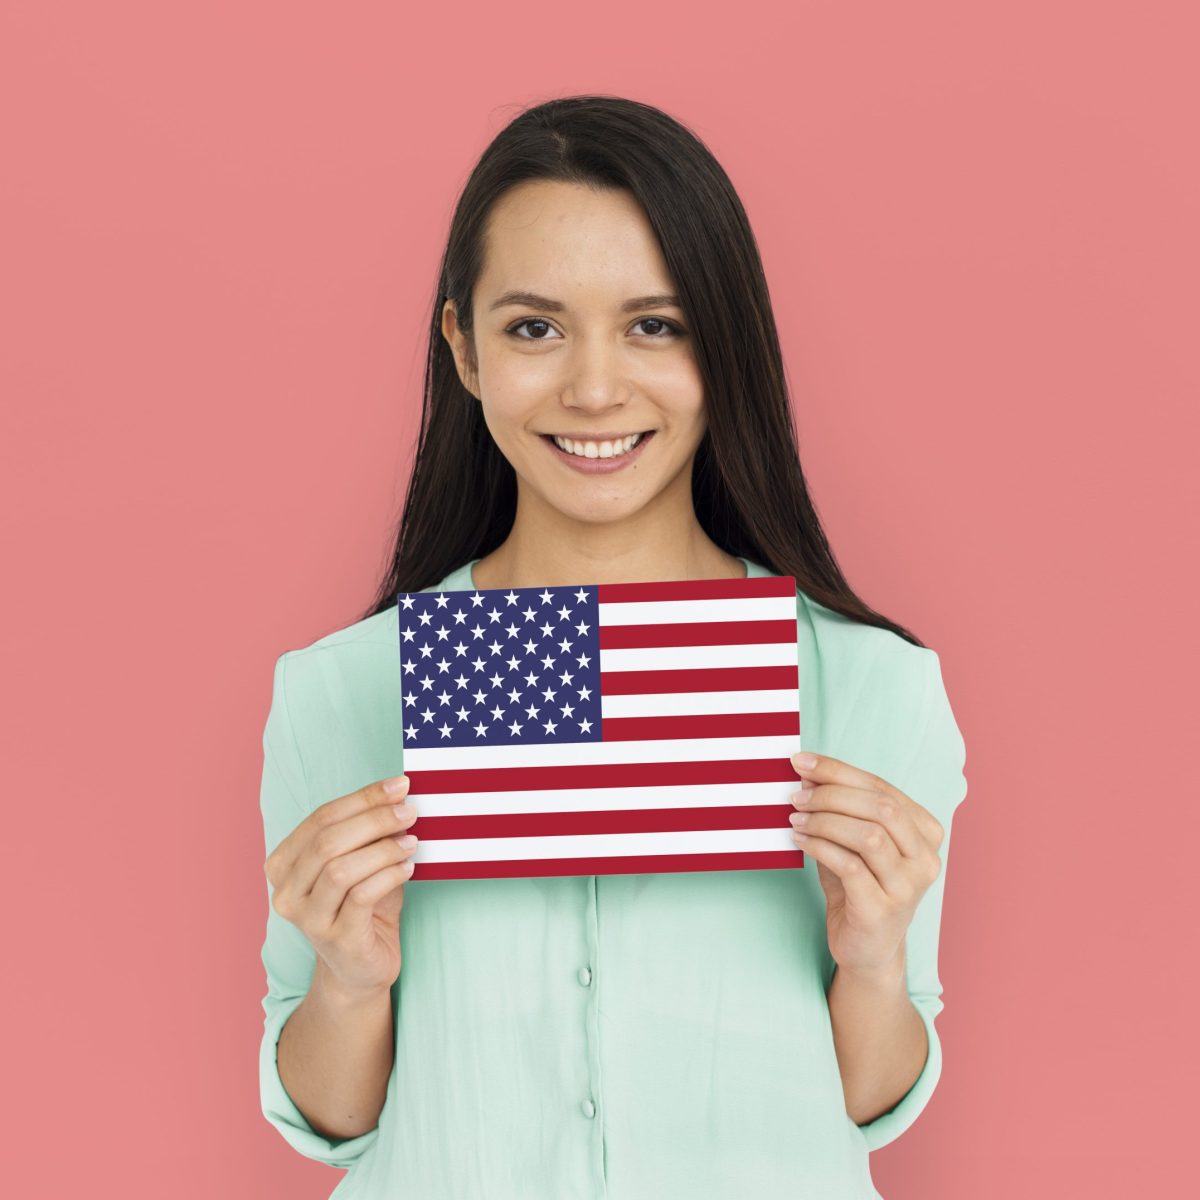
column 605, row 401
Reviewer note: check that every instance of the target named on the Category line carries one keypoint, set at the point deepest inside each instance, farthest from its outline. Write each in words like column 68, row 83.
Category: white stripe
column 454, row 758
column 686, row 704
column 670, row 658
column 678, row 612
column 723, row 842
column 703, row 795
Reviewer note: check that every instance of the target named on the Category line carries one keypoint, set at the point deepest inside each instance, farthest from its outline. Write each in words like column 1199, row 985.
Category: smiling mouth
column 591, row 448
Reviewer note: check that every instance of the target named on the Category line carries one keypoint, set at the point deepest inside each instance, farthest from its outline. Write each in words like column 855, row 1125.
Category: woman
column 605, row 401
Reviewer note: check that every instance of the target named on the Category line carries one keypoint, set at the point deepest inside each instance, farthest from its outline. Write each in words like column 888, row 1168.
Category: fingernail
column 403, row 810
column 396, row 784
column 805, row 762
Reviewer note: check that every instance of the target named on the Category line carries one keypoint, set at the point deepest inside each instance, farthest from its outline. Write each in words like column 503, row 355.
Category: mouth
column 593, row 456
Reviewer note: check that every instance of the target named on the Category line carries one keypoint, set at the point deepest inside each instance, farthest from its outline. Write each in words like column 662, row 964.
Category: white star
column 496, row 680
column 459, row 616
column 532, row 710
column 547, row 629
column 515, row 727
column 477, row 632
column 444, row 698
column 511, row 631
column 407, row 602
column 407, row 634
column 529, row 614
column 460, row 650
column 582, row 660
column 583, row 627
column 565, row 645
column 479, row 697
column 445, row 731
column 478, row 664
column 514, row 695
column 512, row 596
column 513, row 664
column 497, row 712
column 409, row 698
column 566, row 677
column 442, row 600
column 581, row 595
column 567, row 710
column 477, row 599
column 584, row 692
column 481, row 730
column 443, row 666
column 461, row 681
column 564, row 612
column 461, row 714
column 425, row 618
column 531, row 679
column 550, row 726
column 427, row 716
column 585, row 726
column 546, row 597
column 495, row 647
column 410, row 734
column 549, row 693
column 426, row 683
column 530, row 646
column 547, row 662
column 493, row 616
column 426, row 651
column 443, row 634
column 409, row 667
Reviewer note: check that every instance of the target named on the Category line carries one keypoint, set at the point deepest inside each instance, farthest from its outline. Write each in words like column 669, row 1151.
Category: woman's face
column 595, row 350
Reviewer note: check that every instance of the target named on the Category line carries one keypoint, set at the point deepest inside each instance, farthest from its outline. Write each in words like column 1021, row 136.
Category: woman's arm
column 335, row 1056
column 880, row 1039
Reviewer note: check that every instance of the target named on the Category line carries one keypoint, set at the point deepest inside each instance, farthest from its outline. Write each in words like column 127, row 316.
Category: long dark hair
column 748, row 487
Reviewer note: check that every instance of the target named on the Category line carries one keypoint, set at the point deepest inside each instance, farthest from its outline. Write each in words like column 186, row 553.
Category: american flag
column 601, row 729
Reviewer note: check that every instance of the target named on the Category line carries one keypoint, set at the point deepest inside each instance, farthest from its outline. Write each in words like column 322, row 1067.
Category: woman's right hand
column 339, row 878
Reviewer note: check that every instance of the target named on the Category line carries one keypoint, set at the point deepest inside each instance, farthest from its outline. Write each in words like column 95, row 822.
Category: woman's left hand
column 877, row 855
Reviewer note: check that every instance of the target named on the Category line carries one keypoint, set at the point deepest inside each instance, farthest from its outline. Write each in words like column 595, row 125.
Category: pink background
column 220, row 233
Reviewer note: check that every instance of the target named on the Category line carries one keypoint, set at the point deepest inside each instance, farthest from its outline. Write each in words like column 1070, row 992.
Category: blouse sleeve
column 935, row 780
column 287, row 954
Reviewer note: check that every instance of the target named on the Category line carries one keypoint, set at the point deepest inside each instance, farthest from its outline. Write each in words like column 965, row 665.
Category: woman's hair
column 748, row 488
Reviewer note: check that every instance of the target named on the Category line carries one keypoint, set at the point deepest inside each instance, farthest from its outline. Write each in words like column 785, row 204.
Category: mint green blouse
column 629, row 1037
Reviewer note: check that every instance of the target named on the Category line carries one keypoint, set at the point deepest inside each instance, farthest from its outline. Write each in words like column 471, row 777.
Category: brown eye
column 531, row 321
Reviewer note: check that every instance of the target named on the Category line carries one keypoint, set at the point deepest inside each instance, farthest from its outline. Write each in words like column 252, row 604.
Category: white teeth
column 598, row 449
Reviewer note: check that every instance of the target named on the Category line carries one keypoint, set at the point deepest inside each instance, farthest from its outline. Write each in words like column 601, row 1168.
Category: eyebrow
column 533, row 300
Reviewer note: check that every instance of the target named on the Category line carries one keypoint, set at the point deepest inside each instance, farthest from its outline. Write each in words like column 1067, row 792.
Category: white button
column 585, row 975
column 589, row 1109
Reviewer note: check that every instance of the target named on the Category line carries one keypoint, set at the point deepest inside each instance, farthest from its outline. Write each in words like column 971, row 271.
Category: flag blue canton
column 493, row 667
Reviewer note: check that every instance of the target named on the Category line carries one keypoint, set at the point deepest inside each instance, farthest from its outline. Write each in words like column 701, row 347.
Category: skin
column 584, row 367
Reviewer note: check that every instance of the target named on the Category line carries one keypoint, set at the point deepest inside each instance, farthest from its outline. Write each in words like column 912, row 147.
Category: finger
column 858, row 881
column 881, row 807
column 834, row 770
column 870, row 842
column 369, row 796
column 342, row 875
column 357, row 911
column 336, row 841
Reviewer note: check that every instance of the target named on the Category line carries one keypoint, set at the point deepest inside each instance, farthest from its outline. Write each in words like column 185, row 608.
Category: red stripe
column 601, row 775
column 697, row 589
column 617, row 864
column 702, row 679
column 606, row 820
column 696, row 633
column 703, row 725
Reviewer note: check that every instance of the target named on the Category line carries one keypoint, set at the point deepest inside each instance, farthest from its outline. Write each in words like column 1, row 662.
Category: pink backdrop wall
column 220, row 234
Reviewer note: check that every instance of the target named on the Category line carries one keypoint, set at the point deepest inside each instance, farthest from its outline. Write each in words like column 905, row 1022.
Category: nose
column 596, row 380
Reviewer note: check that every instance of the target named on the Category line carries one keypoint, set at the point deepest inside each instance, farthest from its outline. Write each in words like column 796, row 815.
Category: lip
column 598, row 466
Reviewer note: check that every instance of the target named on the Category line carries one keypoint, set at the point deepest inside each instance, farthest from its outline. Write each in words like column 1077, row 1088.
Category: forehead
column 560, row 237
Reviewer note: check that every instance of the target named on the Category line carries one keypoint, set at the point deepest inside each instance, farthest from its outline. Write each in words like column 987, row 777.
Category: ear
column 458, row 346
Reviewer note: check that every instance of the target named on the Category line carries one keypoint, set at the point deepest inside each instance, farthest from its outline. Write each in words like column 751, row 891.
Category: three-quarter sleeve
column 936, row 781
column 287, row 954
